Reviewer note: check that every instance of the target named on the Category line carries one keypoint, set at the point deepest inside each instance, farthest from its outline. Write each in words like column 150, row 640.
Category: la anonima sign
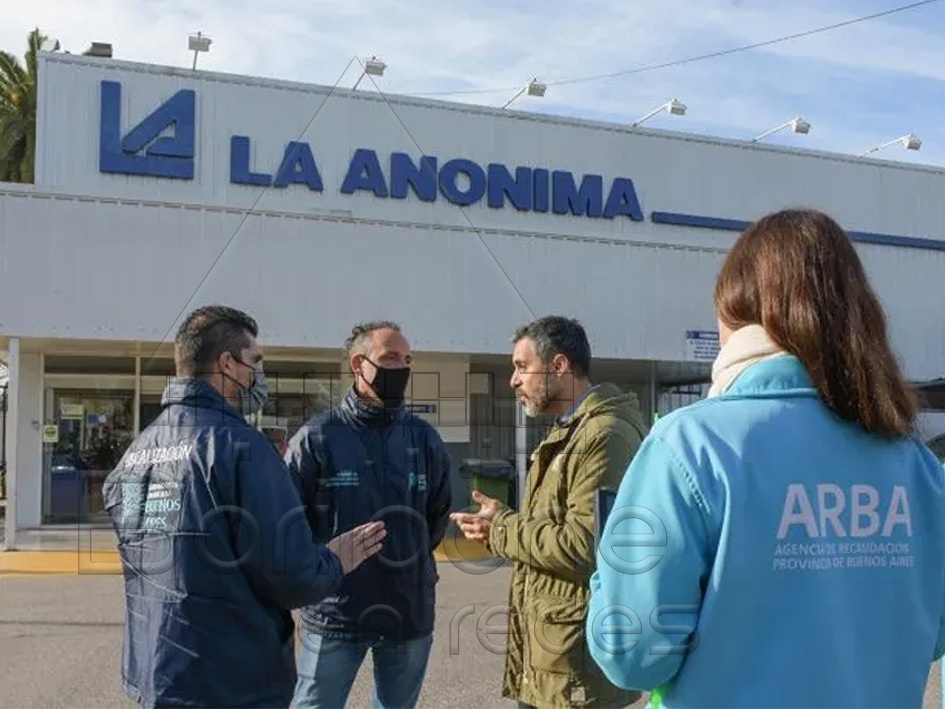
column 461, row 181
column 163, row 145
column 147, row 150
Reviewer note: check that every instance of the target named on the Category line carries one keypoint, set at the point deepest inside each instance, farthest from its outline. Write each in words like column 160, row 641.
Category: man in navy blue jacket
column 212, row 535
column 369, row 459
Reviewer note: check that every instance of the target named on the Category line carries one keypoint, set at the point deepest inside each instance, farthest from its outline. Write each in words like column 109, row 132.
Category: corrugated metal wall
column 103, row 269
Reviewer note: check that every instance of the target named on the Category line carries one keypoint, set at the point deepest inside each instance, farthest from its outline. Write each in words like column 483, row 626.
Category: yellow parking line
column 15, row 563
column 51, row 563
column 457, row 549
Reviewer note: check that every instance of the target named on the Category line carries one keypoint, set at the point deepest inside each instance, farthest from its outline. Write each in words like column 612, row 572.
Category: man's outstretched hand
column 475, row 526
column 358, row 544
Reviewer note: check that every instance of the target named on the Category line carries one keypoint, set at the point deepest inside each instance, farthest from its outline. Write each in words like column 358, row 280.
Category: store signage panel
column 163, row 144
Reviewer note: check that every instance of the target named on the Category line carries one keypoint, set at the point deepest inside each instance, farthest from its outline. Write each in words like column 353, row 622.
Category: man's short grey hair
column 357, row 341
column 554, row 335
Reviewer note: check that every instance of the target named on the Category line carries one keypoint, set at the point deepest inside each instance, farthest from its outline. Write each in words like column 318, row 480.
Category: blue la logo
column 144, row 150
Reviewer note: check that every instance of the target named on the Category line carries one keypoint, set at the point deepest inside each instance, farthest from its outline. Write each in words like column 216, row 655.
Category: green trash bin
column 495, row 478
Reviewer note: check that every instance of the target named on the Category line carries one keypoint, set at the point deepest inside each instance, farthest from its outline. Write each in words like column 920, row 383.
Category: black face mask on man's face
column 390, row 384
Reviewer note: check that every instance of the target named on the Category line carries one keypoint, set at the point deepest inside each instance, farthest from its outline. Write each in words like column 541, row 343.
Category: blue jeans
column 328, row 667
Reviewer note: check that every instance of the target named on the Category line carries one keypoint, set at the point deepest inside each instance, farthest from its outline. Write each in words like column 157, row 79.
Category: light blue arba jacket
column 808, row 556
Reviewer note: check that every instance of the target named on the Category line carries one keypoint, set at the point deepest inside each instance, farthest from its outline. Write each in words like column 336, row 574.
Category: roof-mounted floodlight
column 909, row 142
column 673, row 107
column 533, row 88
column 198, row 43
column 797, row 125
column 372, row 66
column 99, row 49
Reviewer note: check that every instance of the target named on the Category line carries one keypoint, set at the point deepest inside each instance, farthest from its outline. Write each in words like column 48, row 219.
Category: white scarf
column 745, row 347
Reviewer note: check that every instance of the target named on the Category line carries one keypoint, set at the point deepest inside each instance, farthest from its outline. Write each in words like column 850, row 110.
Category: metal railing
column 678, row 395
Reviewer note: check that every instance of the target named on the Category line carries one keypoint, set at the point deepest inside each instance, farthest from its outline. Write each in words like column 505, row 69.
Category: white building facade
column 159, row 190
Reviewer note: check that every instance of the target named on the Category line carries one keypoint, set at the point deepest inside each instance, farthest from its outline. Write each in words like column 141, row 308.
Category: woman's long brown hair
column 797, row 274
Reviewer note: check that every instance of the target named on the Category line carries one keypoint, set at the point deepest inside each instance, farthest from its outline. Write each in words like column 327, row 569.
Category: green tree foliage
column 18, row 112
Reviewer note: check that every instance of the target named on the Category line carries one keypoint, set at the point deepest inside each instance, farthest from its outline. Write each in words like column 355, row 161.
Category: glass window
column 292, row 402
column 92, row 430
column 150, row 408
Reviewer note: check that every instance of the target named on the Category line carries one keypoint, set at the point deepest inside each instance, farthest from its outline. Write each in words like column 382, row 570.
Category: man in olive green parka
column 550, row 539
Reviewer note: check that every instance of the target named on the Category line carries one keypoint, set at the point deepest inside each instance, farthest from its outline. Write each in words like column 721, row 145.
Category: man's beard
column 538, row 404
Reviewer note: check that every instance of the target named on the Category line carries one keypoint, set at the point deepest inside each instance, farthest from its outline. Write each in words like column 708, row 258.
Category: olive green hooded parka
column 550, row 539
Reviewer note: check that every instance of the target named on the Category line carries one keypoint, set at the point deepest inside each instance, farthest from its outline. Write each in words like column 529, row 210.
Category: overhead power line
column 689, row 60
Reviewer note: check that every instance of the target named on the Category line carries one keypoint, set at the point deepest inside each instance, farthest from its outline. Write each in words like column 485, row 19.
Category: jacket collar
column 361, row 412
column 595, row 396
column 776, row 377
column 197, row 392
column 565, row 419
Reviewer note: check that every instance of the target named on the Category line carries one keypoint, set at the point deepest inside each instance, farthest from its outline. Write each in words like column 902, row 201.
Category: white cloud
column 432, row 45
column 873, row 45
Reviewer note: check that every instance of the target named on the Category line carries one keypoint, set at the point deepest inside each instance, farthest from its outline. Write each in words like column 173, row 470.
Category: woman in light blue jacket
column 781, row 543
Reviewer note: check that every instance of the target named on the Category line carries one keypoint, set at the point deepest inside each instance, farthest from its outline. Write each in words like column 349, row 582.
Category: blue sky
column 858, row 86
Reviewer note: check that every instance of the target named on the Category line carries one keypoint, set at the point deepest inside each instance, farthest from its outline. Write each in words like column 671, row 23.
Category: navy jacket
column 215, row 549
column 357, row 463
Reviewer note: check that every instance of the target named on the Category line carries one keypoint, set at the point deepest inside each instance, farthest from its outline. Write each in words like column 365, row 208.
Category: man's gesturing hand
column 476, row 526
column 360, row 543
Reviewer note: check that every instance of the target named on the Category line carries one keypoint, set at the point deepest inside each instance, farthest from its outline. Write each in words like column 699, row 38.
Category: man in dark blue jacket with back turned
column 213, row 538
column 369, row 459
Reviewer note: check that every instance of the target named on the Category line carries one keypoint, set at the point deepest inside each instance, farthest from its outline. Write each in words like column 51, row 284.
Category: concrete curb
column 104, row 562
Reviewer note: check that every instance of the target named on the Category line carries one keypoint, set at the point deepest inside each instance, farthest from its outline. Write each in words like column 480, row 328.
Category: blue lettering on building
column 365, row 173
column 297, row 166
column 144, row 150
column 454, row 189
column 148, row 150
column 540, row 193
column 464, row 182
column 240, row 171
column 517, row 189
column 421, row 178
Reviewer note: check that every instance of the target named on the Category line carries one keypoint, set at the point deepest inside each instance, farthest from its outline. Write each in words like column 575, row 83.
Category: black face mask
column 390, row 384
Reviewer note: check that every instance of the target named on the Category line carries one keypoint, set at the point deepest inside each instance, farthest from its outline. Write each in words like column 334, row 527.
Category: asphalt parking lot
column 60, row 642
column 61, row 636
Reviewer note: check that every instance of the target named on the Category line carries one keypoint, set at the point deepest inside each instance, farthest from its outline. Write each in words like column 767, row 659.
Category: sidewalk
column 62, row 550
column 81, row 551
